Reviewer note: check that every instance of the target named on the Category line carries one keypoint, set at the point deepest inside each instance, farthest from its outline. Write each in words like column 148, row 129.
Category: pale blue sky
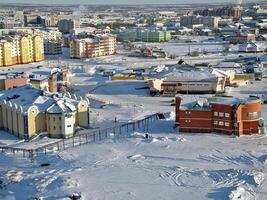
column 117, row 1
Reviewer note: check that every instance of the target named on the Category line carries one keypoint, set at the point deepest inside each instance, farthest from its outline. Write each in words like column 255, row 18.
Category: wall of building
column 54, row 125
column 83, row 114
column 195, row 121
column 248, row 116
column 11, row 82
column 223, row 119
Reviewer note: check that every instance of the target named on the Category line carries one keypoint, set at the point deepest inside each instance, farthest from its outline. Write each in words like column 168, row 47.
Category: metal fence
column 84, row 137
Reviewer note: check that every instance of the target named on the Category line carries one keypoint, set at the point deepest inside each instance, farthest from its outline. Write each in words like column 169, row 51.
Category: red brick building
column 220, row 115
column 10, row 80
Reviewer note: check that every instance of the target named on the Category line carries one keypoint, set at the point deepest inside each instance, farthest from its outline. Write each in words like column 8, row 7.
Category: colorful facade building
column 21, row 49
column 142, row 35
column 93, row 46
column 26, row 111
column 223, row 115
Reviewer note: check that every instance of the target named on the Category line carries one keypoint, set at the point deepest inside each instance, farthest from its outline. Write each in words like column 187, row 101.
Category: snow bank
column 14, row 176
column 241, row 194
column 136, row 157
column 258, row 178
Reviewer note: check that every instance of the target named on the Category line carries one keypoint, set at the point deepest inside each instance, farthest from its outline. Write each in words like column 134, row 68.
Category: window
column 252, row 114
column 54, row 128
column 54, row 119
column 221, row 123
column 59, row 118
column 215, row 113
column 215, row 122
column 227, row 124
column 221, row 114
column 227, row 115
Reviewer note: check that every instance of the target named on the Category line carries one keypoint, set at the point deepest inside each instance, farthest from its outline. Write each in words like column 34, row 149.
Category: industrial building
column 223, row 115
column 26, row 111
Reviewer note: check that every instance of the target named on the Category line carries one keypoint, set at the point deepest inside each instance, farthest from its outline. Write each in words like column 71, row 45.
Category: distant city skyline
column 85, row 2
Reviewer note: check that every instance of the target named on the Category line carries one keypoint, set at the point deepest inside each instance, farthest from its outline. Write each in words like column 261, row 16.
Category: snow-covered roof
column 205, row 104
column 191, row 76
column 27, row 96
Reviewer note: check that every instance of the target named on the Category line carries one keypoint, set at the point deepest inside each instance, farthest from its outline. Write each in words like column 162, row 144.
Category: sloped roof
column 27, row 96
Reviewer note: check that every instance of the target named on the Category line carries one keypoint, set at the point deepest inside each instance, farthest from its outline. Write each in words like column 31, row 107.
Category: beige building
column 93, row 46
column 26, row 112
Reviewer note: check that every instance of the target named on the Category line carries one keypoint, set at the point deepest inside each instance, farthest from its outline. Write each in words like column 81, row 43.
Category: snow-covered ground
column 168, row 165
column 165, row 166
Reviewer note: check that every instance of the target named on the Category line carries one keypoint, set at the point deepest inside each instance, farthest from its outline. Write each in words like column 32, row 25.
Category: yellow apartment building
column 21, row 49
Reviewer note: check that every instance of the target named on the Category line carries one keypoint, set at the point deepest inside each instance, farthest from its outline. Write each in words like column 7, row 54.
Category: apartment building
column 68, row 25
column 93, row 46
column 46, row 33
column 9, row 24
column 26, row 111
column 192, row 20
column 142, row 35
column 52, row 47
column 21, row 49
column 223, row 115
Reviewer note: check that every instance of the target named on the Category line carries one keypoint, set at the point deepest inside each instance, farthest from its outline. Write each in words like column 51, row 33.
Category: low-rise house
column 221, row 115
column 54, row 80
column 26, row 111
column 9, row 80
